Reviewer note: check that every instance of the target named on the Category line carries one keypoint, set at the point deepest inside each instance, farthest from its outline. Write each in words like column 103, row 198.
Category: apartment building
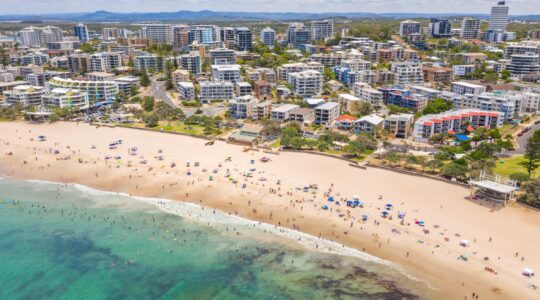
column 222, row 56
column 322, row 29
column 284, row 70
column 370, row 95
column 242, row 107
column 65, row 98
column 463, row 88
column 523, row 64
column 327, row 113
column 226, row 73
column 407, row 73
column 268, row 37
column 454, row 122
column 216, row 90
column 437, row 74
column 186, row 90
column 306, row 83
column 470, row 28
column 368, row 124
column 263, row 90
column 191, row 62
column 399, row 125
column 244, row 39
column 408, row 27
column 463, row 70
column 282, row 112
column 158, row 33
column 25, row 95
column 97, row 91
column 261, row 110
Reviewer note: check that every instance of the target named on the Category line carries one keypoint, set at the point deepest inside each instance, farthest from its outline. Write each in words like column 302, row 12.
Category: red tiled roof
column 347, row 118
column 451, row 132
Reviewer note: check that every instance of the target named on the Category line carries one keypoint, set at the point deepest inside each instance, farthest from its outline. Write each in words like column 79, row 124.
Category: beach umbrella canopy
column 464, row 243
column 355, row 197
column 330, row 199
column 325, row 207
column 401, row 214
column 528, row 272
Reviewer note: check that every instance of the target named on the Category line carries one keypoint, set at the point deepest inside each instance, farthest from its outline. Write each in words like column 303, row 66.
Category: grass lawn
column 181, row 128
column 507, row 166
column 276, row 143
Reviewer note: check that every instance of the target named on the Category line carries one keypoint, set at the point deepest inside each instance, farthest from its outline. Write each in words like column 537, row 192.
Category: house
column 345, row 122
column 368, row 124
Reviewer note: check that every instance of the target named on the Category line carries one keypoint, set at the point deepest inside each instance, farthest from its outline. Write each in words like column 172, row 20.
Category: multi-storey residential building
column 327, row 113
column 216, row 90
column 531, row 102
column 261, row 110
column 429, row 93
column 263, row 90
column 180, row 36
column 6, row 77
column 470, row 28
column 510, row 104
column 158, row 33
column 328, row 60
column 25, row 95
column 472, row 58
column 79, row 63
column 440, row 28
column 463, row 88
column 322, row 29
column 404, row 98
column 41, row 78
column 285, row 69
column 226, row 73
column 283, row 112
column 242, row 107
column 499, row 16
column 454, row 122
column 302, row 115
column 356, row 64
column 186, row 91
column 521, row 48
column 244, row 39
column 227, row 36
column 126, row 83
column 181, row 75
column 97, row 91
column 348, row 101
column 268, row 37
column 463, row 70
column 203, row 34
column 298, row 34
column 371, row 96
column 150, row 62
column 437, row 74
column 191, row 62
column 222, row 56
column 306, row 83
column 81, row 31
column 399, row 125
column 36, row 58
column 407, row 73
column 243, row 88
column 408, row 27
column 100, row 76
column 522, row 64
column 105, row 61
column 65, row 98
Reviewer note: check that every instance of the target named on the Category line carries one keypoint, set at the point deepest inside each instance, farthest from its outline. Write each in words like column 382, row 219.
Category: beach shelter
column 464, row 243
column 401, row 214
column 527, row 272
column 325, row 207
column 330, row 199
column 389, row 206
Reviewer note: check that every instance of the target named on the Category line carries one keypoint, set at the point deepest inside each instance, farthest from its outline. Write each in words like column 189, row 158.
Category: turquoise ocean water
column 72, row 242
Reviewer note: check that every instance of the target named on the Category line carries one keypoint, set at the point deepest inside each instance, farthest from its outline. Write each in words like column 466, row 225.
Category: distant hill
column 207, row 15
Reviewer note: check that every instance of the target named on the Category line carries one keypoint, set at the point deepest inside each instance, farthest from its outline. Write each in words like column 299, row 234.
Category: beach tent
column 325, row 207
column 401, row 214
column 389, row 206
column 527, row 272
column 464, row 243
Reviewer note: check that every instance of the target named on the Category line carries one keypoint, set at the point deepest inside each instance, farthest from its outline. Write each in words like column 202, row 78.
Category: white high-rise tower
column 499, row 17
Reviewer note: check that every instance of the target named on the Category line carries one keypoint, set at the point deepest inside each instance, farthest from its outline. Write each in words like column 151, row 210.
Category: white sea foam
column 202, row 214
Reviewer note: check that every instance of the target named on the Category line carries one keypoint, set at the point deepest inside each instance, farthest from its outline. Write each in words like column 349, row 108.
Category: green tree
column 437, row 106
column 454, row 170
column 151, row 120
column 520, row 177
column 145, row 80
column 87, row 48
column 148, row 103
column 532, row 153
column 434, row 164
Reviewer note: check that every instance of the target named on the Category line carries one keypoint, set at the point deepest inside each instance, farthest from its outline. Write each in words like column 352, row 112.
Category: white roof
column 285, row 108
column 468, row 84
column 348, row 97
column 373, row 119
column 494, row 186
column 226, row 67
column 186, row 84
column 328, row 106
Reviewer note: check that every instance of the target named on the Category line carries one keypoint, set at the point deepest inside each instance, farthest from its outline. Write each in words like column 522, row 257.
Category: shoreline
column 256, row 203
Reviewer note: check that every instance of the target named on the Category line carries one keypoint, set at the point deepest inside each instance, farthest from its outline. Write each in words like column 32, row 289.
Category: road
column 522, row 140
column 160, row 93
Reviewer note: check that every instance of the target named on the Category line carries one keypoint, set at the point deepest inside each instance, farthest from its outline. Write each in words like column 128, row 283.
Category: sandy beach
column 504, row 240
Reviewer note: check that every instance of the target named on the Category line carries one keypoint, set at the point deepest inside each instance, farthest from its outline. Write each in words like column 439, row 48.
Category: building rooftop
column 328, row 106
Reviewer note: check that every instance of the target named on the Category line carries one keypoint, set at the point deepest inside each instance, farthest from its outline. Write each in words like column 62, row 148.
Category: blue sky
column 427, row 6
